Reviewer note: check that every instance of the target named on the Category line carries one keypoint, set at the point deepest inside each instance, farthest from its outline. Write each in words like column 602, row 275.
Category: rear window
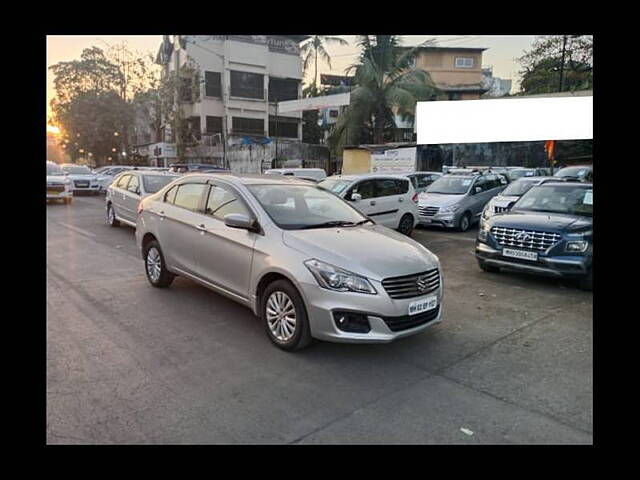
column 402, row 186
column 386, row 187
column 153, row 183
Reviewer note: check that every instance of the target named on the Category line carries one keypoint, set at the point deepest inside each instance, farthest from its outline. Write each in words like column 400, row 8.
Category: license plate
column 425, row 220
column 423, row 305
column 509, row 252
column 53, row 192
column 82, row 184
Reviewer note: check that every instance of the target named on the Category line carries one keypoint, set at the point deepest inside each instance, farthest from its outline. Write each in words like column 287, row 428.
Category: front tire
column 155, row 266
column 406, row 224
column 465, row 222
column 487, row 268
column 111, row 216
column 586, row 282
column 285, row 316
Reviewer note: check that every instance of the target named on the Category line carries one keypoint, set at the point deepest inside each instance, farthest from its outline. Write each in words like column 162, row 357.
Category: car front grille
column 500, row 209
column 81, row 183
column 397, row 324
column 407, row 286
column 528, row 239
column 428, row 211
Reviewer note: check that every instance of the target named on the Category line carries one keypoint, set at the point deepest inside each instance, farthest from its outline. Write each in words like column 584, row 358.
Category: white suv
column 388, row 199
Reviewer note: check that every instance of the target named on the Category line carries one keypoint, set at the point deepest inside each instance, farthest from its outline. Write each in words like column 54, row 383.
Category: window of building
column 281, row 89
column 247, row 85
column 185, row 90
column 285, row 129
column 214, row 124
column 193, row 127
column 212, row 85
column 247, row 126
column 464, row 62
column 334, row 113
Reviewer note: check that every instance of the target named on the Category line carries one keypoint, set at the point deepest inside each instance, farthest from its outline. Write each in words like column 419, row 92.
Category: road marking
column 76, row 229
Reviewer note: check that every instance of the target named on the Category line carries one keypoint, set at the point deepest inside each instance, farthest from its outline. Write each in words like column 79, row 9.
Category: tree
column 542, row 64
column 385, row 85
column 314, row 47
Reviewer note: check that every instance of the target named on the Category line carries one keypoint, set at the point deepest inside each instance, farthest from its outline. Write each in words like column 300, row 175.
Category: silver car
column 305, row 261
column 456, row 200
column 126, row 191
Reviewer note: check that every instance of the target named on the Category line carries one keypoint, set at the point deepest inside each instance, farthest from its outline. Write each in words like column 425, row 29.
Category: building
column 496, row 87
column 241, row 78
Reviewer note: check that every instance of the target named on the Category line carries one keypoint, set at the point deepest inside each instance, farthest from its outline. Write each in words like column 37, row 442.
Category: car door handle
column 201, row 228
column 373, row 202
column 401, row 199
column 161, row 215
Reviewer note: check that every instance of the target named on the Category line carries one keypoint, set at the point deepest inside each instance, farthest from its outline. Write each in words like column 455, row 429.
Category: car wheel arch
column 268, row 278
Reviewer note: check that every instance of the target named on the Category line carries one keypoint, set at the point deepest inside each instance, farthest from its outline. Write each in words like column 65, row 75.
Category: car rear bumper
column 551, row 266
column 52, row 195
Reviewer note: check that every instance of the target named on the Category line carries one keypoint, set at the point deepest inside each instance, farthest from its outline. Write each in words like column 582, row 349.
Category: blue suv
column 547, row 231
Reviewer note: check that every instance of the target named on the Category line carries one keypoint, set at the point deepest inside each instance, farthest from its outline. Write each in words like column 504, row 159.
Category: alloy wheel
column 154, row 264
column 281, row 316
column 111, row 215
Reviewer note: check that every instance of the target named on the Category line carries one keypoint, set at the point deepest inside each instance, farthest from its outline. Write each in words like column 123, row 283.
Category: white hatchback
column 388, row 199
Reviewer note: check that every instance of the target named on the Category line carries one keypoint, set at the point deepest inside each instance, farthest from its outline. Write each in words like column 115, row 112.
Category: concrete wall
column 441, row 66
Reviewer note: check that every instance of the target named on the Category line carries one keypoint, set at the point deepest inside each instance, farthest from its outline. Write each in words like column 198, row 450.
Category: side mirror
column 478, row 189
column 356, row 197
column 238, row 220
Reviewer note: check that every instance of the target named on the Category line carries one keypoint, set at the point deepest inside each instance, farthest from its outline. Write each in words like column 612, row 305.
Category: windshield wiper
column 361, row 222
column 332, row 223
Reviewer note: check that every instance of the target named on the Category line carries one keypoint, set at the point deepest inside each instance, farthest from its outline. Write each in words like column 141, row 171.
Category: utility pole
column 564, row 46
column 275, row 165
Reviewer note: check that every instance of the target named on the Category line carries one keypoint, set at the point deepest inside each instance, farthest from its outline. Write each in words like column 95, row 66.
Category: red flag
column 550, row 146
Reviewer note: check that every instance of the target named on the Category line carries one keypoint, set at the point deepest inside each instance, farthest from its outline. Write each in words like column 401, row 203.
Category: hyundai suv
column 548, row 231
column 456, row 200
column 304, row 260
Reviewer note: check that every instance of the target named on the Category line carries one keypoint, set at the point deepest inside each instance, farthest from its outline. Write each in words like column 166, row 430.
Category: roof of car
column 357, row 176
column 251, row 179
column 562, row 184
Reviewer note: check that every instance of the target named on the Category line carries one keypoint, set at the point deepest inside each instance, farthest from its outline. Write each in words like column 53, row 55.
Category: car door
column 117, row 195
column 178, row 226
column 387, row 202
column 131, row 198
column 479, row 196
column 365, row 188
column 224, row 253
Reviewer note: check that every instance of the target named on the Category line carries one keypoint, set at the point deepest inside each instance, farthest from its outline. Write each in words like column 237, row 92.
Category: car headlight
column 579, row 246
column 488, row 212
column 337, row 279
column 483, row 231
column 450, row 208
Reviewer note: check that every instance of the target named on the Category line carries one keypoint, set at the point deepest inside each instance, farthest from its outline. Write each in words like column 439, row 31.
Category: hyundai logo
column 523, row 237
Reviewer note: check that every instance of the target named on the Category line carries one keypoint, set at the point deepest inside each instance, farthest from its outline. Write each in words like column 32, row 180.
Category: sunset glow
column 53, row 129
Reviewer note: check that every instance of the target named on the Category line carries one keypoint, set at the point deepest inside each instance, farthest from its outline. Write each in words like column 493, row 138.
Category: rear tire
column 155, row 266
column 111, row 217
column 586, row 282
column 406, row 224
column 465, row 222
column 488, row 268
column 282, row 293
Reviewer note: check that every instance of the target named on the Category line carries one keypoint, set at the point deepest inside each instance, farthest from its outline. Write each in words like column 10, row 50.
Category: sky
column 502, row 51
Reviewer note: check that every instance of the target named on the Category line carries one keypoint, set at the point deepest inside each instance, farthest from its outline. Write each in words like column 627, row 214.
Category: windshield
column 76, row 169
column 514, row 174
column 336, row 186
column 517, row 188
column 451, row 185
column 153, row 183
column 567, row 199
column 298, row 207
column 53, row 169
column 572, row 172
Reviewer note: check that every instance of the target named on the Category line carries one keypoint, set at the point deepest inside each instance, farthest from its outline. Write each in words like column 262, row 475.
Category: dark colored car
column 548, row 231
column 577, row 172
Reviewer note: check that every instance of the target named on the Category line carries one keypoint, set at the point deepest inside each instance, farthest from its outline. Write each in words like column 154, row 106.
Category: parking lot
column 511, row 362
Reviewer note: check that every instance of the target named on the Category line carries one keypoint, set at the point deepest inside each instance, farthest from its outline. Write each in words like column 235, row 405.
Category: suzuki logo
column 523, row 237
column 422, row 283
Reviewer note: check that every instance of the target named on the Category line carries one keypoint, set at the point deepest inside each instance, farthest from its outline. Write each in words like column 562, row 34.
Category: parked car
column 517, row 173
column 194, row 167
column 456, row 200
column 126, row 191
column 106, row 176
column 58, row 184
column 389, row 199
column 579, row 172
column 549, row 231
column 309, row 264
column 81, row 177
column 313, row 174
column 505, row 199
column 421, row 180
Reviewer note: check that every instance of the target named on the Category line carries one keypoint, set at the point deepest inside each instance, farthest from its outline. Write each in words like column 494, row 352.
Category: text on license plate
column 509, row 252
column 423, row 305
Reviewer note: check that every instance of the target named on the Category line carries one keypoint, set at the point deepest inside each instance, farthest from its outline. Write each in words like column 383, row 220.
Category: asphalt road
column 512, row 361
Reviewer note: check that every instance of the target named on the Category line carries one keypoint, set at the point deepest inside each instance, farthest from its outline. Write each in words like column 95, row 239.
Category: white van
column 313, row 174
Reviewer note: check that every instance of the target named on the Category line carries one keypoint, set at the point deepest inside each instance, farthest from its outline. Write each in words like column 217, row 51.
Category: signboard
column 396, row 160
column 283, row 45
column 505, row 120
column 314, row 103
column 162, row 149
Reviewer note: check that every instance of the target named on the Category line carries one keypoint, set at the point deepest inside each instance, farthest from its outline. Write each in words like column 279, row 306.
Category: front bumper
column 322, row 303
column 53, row 195
column 556, row 266
column 90, row 188
column 447, row 220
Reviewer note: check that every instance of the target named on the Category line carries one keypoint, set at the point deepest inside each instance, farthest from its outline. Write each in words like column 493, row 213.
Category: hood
column 57, row 179
column 438, row 199
column 541, row 221
column 386, row 253
column 82, row 176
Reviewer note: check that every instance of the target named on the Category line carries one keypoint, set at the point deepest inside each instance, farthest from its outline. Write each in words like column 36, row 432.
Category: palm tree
column 314, row 46
column 385, row 85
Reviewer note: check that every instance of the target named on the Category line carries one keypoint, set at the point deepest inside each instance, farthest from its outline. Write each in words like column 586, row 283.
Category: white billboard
column 314, row 103
column 396, row 160
column 505, row 120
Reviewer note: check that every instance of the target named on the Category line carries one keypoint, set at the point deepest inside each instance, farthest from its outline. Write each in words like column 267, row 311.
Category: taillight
column 415, row 198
